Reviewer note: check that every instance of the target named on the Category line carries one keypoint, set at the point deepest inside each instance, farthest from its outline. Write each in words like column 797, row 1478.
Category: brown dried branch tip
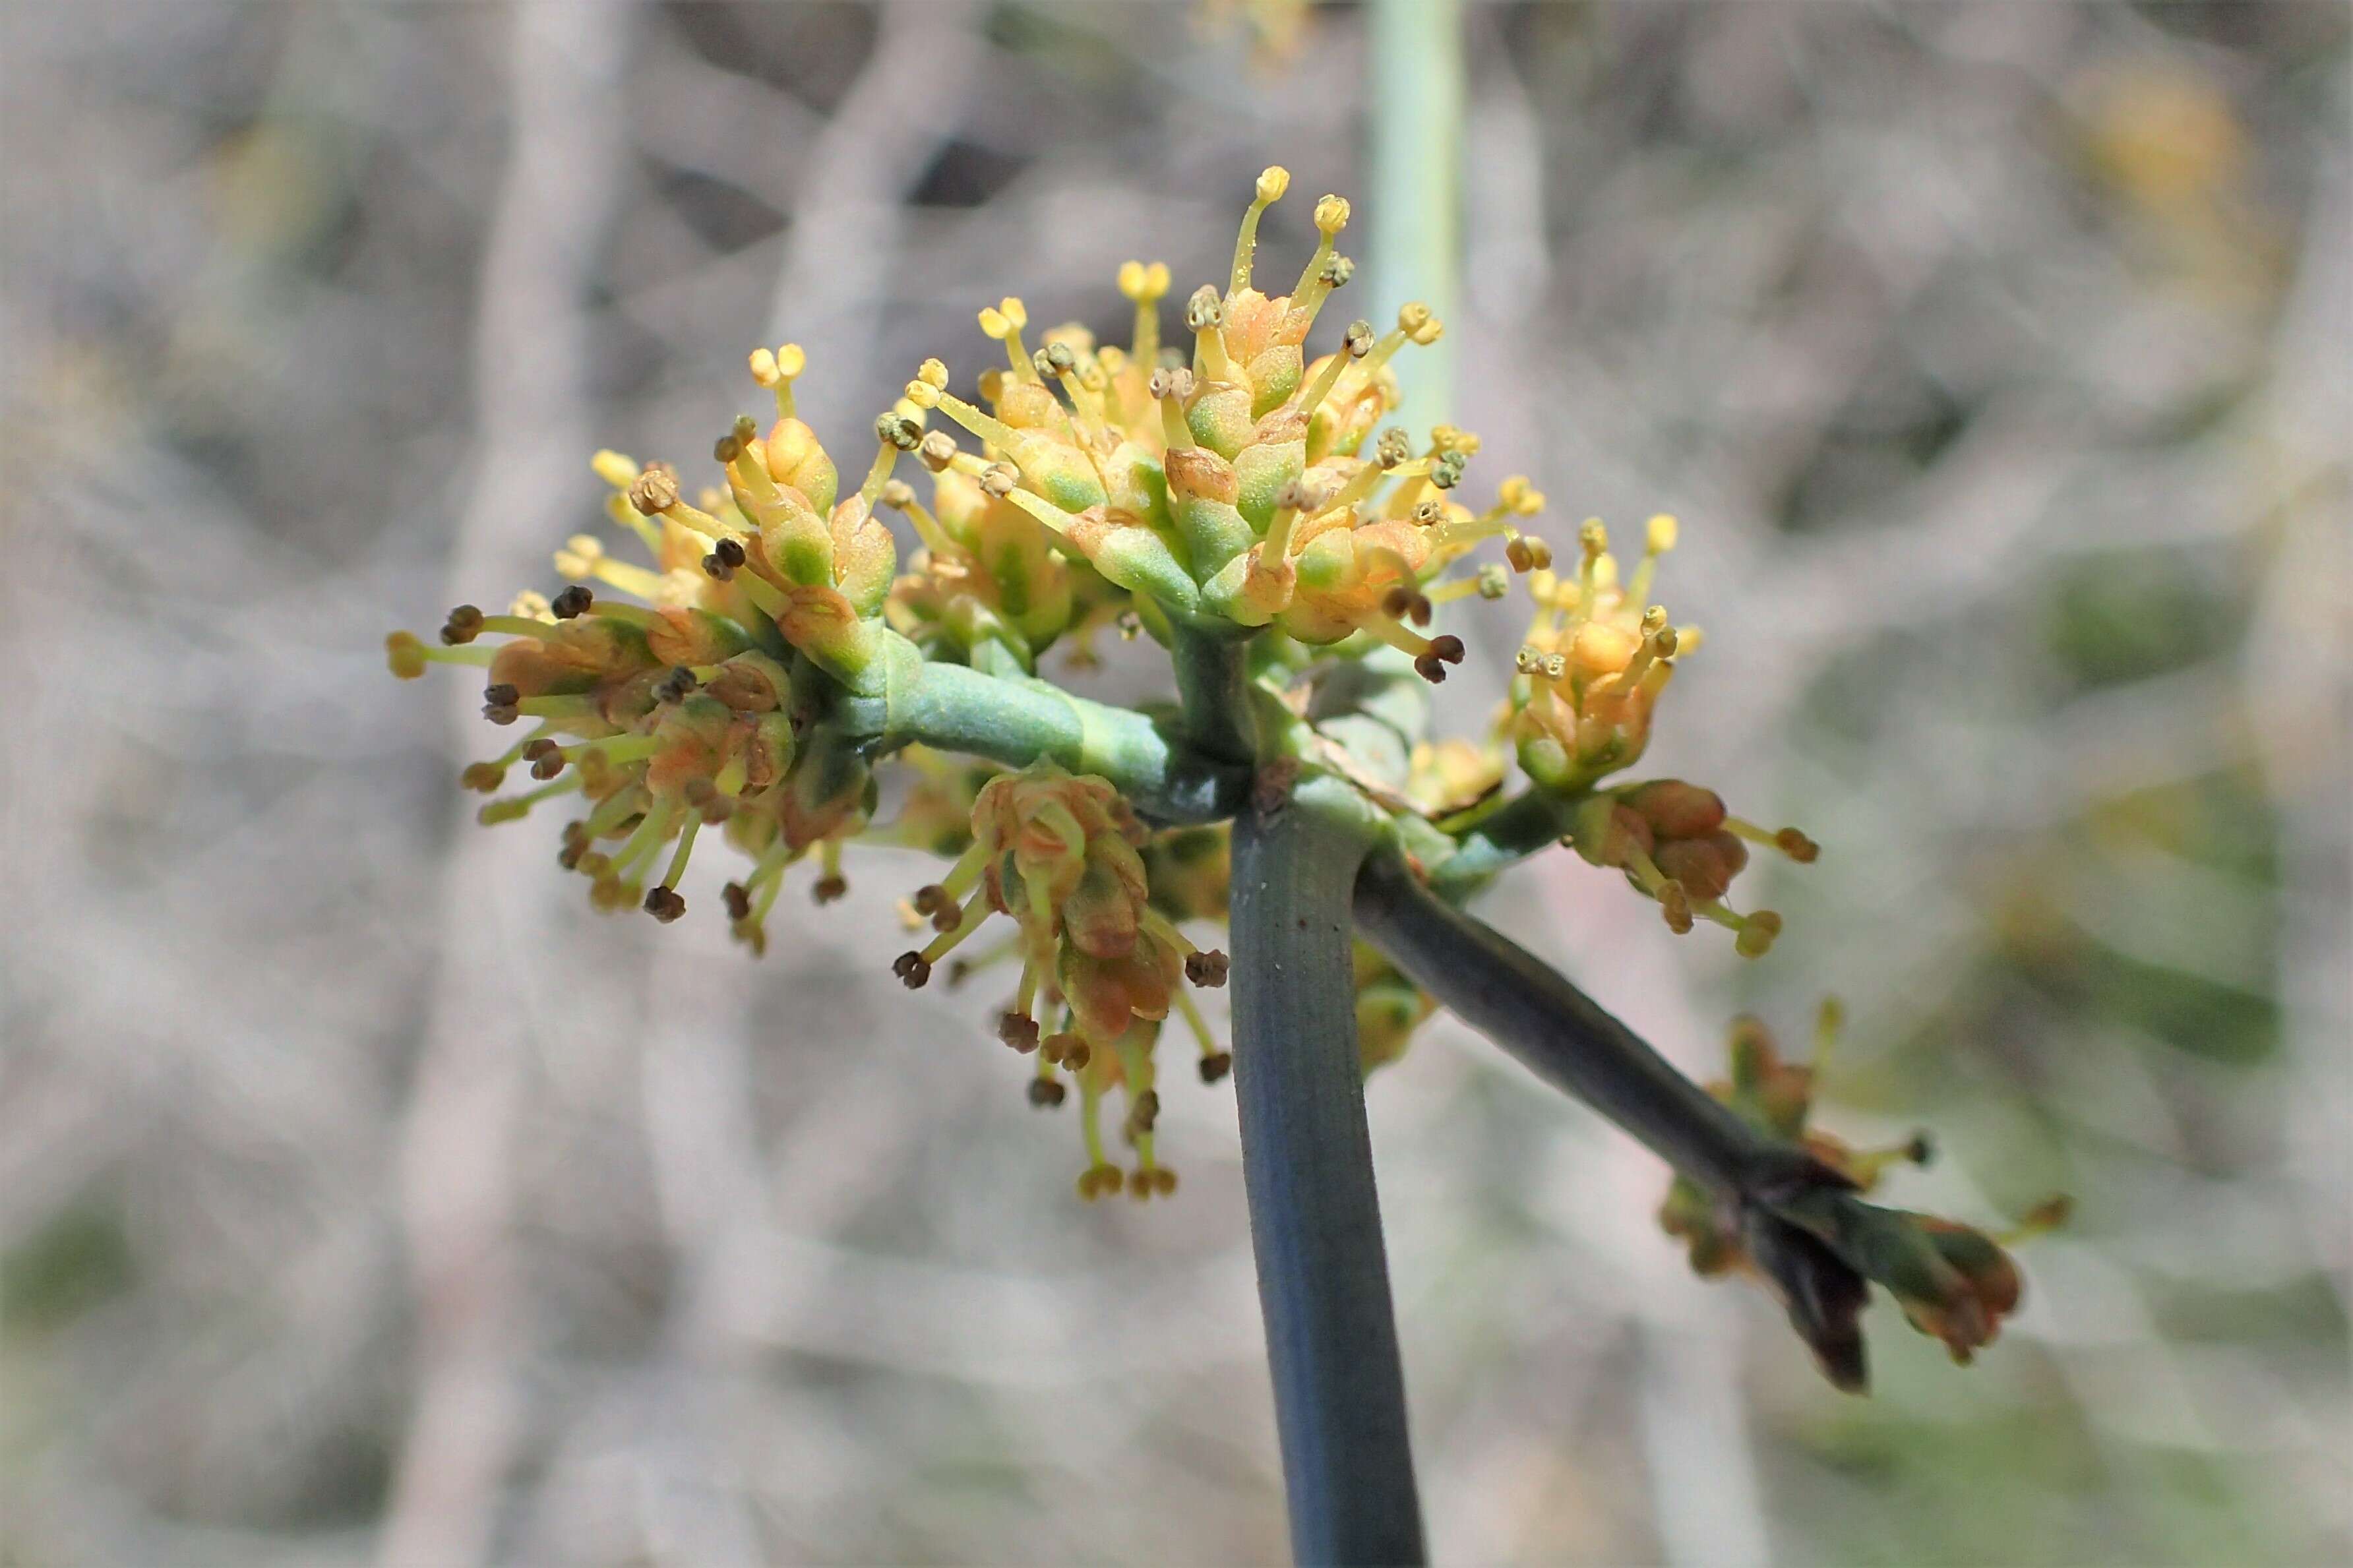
column 1804, row 1232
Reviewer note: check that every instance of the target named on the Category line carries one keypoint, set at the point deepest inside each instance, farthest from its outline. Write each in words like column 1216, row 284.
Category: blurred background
column 365, row 1198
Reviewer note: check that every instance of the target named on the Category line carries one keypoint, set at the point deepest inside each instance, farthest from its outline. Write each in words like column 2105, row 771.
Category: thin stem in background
column 1416, row 216
column 458, row 1180
column 1307, row 1166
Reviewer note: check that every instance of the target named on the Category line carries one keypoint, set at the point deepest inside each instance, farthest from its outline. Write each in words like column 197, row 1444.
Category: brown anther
column 746, row 429
column 538, row 749
column 947, row 918
column 570, row 855
column 464, row 625
column 1146, row 1112
column 936, row 450
column 656, row 489
column 543, row 768
column 1046, row 1093
column 1076, row 1054
column 677, row 686
column 1443, row 651
column 1796, row 846
column 664, row 904
column 727, row 448
column 1019, row 1031
column 738, row 899
column 1920, row 1149
column 1164, row 1180
column 729, row 550
column 500, row 694
column 826, row 889
column 1216, row 1066
column 572, row 603
column 913, row 970
column 929, row 898
column 1206, row 966
column 716, row 567
column 482, row 777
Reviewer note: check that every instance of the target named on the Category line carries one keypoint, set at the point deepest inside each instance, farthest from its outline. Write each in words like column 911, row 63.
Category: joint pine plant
column 741, row 656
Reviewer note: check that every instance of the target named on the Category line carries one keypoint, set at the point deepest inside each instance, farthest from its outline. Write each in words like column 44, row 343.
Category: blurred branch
column 1417, row 161
column 847, row 226
column 564, row 66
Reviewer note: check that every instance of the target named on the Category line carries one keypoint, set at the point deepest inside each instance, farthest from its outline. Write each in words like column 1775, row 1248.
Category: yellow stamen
column 1272, row 183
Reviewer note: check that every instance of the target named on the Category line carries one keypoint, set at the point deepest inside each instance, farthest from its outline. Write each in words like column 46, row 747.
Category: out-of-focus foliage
column 357, row 1202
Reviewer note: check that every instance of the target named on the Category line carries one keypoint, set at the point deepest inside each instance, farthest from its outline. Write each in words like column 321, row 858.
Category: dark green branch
column 1504, row 836
column 1339, row 1390
column 1523, row 1005
column 1799, row 1220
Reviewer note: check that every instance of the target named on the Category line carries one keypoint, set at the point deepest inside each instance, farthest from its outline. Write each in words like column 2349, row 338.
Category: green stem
column 1798, row 1219
column 1416, row 155
column 1307, row 1167
column 1536, row 820
column 1018, row 722
column 1212, row 666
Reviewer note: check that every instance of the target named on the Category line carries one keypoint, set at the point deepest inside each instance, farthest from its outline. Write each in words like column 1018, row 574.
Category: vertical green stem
column 1307, row 1164
column 1416, row 126
column 1213, row 689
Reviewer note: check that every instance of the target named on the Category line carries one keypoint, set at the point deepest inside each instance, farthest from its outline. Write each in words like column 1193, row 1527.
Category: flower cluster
column 1954, row 1283
column 1238, row 482
column 1590, row 670
column 1675, row 842
column 1060, row 854
column 694, row 700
